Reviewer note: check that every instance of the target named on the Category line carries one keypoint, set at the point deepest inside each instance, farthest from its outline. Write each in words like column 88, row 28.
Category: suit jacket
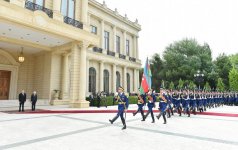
column 22, row 97
column 33, row 98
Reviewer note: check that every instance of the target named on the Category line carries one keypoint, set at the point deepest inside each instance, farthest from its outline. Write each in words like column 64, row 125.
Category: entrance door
column 4, row 84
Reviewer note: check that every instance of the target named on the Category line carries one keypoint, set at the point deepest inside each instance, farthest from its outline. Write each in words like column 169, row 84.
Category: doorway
column 4, row 84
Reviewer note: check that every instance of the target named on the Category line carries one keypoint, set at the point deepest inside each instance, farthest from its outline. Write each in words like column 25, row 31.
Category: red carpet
column 41, row 111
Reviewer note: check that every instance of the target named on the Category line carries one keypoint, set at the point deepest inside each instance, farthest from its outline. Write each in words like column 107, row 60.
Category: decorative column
column 124, row 42
column 114, row 39
column 84, row 13
column 81, row 91
column 102, row 34
column 101, row 76
column 137, row 48
column 125, row 79
column 56, row 10
column 87, row 75
column 74, row 80
column 134, row 47
column 65, row 77
column 135, row 81
column 114, row 78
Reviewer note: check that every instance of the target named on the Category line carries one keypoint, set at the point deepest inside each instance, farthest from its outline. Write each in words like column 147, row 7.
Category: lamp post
column 199, row 78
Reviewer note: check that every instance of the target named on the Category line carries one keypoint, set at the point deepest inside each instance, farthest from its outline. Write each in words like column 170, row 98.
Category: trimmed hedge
column 109, row 101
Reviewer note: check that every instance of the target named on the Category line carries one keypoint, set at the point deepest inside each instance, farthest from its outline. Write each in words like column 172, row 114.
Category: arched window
column 106, row 81
column 118, row 83
column 68, row 8
column 92, row 80
column 128, row 82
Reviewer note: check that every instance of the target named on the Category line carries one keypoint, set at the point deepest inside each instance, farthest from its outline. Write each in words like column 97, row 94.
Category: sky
column 165, row 21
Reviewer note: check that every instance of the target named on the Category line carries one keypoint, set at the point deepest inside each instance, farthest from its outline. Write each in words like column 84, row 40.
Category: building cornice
column 115, row 14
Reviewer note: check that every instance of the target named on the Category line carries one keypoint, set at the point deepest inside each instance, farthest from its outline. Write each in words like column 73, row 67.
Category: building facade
column 71, row 48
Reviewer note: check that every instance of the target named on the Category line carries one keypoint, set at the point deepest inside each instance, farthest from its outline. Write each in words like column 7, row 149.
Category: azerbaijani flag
column 144, row 88
column 147, row 72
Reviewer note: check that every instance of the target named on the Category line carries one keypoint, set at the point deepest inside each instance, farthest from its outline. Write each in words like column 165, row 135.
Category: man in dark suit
column 33, row 101
column 22, row 100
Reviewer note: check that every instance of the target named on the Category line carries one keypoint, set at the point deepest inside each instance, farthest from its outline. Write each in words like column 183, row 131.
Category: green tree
column 191, row 85
column 234, row 60
column 180, row 85
column 223, row 67
column 156, row 65
column 171, row 85
column 220, row 85
column 233, row 79
column 183, row 58
column 207, row 87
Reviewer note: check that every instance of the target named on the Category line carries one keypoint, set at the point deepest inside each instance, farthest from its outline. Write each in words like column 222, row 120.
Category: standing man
column 33, row 101
column 22, row 100
column 123, row 104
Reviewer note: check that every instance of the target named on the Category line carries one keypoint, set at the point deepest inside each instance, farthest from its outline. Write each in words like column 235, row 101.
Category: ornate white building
column 73, row 46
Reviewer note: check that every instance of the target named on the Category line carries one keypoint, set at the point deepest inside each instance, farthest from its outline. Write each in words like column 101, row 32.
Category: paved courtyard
column 92, row 131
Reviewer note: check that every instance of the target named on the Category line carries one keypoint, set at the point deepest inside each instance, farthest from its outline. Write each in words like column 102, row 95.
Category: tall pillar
column 81, row 101
column 102, row 34
column 134, row 47
column 114, row 78
column 125, row 79
column 137, row 48
column 84, row 13
column 56, row 9
column 114, row 38
column 101, row 76
column 65, row 77
column 87, row 75
column 135, row 81
column 124, row 43
column 74, row 79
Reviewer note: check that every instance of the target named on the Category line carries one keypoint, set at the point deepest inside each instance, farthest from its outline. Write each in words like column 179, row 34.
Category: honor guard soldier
column 150, row 106
column 140, row 103
column 123, row 104
column 22, row 100
column 162, row 106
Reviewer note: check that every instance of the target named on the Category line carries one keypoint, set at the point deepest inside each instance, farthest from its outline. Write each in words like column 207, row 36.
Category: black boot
column 164, row 119
column 124, row 124
column 143, row 116
column 146, row 114
column 188, row 112
column 134, row 113
column 158, row 116
column 111, row 121
column 153, row 118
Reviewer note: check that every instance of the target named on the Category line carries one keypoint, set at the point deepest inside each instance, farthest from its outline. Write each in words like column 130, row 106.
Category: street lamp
column 199, row 78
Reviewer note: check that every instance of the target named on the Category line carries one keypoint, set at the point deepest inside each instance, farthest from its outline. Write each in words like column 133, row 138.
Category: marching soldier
column 140, row 103
column 123, row 104
column 162, row 106
column 150, row 106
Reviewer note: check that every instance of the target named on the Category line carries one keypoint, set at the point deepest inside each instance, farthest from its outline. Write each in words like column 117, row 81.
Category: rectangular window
column 67, row 8
column 127, row 47
column 39, row 2
column 106, row 40
column 93, row 29
column 118, row 44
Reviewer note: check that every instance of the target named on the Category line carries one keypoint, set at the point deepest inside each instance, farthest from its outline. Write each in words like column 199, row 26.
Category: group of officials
column 171, row 101
column 22, row 100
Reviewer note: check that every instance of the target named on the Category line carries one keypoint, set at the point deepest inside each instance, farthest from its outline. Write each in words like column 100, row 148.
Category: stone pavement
column 93, row 131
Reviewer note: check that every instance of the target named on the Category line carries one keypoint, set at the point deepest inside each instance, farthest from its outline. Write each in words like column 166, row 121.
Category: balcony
column 73, row 22
column 97, row 49
column 122, row 56
column 132, row 59
column 110, row 53
column 33, row 7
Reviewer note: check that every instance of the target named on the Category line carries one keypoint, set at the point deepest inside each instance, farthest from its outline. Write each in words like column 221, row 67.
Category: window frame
column 67, row 8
